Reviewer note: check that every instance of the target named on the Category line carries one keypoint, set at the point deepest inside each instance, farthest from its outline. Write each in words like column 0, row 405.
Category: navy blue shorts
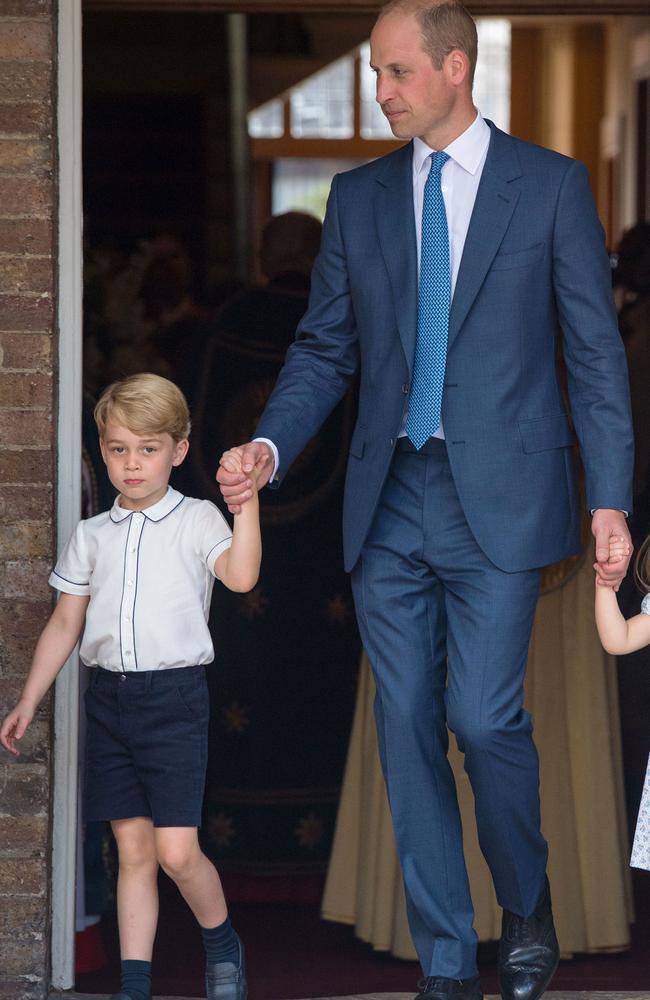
column 147, row 745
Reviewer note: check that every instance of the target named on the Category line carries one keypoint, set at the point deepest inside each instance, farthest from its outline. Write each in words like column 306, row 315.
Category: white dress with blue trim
column 641, row 847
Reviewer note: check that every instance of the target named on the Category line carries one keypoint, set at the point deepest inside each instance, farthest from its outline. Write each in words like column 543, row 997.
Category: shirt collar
column 467, row 150
column 156, row 512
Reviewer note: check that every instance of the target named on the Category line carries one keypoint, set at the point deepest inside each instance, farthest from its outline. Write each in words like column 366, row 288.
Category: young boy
column 138, row 581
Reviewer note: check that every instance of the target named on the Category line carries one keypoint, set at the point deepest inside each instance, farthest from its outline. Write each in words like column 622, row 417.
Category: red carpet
column 292, row 953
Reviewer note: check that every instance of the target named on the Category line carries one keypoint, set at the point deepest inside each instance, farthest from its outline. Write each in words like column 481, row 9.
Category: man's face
column 416, row 98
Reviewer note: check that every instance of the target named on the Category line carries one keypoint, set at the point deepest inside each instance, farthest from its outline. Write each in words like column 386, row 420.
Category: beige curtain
column 572, row 695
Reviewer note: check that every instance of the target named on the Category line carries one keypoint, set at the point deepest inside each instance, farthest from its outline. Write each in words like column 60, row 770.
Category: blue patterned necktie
column 434, row 297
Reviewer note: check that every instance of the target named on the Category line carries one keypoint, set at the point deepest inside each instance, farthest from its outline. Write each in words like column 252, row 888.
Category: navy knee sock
column 136, row 979
column 221, row 943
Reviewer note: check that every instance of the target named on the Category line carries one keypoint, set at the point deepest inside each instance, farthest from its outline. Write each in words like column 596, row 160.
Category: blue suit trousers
column 447, row 635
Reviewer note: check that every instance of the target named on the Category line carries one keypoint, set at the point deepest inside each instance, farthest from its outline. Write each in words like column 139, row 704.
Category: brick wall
column 27, row 352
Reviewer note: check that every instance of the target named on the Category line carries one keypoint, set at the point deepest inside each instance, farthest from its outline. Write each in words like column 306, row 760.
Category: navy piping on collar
column 74, row 583
column 155, row 520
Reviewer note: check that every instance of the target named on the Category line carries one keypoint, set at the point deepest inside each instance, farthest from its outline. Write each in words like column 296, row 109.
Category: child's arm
column 617, row 635
column 56, row 642
column 238, row 567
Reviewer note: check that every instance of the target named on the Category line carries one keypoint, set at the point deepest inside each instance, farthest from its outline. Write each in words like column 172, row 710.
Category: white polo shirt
column 150, row 576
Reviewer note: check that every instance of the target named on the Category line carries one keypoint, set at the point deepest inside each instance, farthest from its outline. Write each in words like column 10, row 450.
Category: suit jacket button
column 392, row 442
column 405, row 388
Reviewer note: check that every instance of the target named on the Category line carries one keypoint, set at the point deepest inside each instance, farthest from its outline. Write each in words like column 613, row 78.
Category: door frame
column 68, row 477
column 478, row 7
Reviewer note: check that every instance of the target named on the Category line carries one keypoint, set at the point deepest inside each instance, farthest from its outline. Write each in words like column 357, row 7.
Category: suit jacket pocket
column 358, row 442
column 545, row 433
column 521, row 258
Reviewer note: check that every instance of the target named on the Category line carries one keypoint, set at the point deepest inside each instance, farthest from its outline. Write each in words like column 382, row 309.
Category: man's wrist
column 276, row 456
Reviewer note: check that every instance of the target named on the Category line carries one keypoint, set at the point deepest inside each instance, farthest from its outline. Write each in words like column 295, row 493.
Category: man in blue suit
column 448, row 272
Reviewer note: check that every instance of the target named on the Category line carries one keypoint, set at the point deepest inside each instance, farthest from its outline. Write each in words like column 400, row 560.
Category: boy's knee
column 176, row 859
column 135, row 844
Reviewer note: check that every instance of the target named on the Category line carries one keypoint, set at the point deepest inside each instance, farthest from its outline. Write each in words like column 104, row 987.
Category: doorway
column 616, row 192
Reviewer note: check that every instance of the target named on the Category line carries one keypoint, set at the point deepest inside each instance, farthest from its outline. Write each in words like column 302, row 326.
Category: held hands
column 613, row 547
column 243, row 470
column 14, row 726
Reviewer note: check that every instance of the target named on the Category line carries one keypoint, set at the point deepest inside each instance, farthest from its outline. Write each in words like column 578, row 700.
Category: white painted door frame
column 68, row 476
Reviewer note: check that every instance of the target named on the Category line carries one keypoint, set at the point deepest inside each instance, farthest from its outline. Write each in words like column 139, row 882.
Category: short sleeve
column 73, row 569
column 645, row 605
column 214, row 534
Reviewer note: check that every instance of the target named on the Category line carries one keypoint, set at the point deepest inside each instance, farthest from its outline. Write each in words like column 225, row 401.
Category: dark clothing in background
column 286, row 655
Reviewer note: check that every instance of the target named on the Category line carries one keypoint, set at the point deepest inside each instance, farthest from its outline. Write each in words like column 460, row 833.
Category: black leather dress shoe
column 528, row 951
column 441, row 988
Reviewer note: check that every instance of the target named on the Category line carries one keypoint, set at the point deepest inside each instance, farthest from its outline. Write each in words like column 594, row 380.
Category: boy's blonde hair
column 145, row 404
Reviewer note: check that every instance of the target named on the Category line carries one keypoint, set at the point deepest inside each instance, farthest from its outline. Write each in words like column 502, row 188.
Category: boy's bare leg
column 137, row 887
column 180, row 855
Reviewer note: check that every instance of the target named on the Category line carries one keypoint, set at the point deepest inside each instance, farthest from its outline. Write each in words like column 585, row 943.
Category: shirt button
column 129, row 583
column 444, row 188
column 127, row 619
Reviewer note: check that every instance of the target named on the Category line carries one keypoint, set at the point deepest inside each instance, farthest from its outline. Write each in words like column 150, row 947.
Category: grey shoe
column 225, row 980
column 442, row 988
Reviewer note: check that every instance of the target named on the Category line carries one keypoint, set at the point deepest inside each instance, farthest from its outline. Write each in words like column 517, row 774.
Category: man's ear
column 457, row 66
column 180, row 451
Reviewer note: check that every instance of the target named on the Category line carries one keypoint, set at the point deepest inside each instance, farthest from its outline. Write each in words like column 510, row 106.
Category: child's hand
column 232, row 460
column 14, row 726
column 619, row 551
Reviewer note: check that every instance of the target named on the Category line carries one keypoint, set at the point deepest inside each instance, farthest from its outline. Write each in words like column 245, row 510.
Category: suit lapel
column 395, row 223
column 495, row 203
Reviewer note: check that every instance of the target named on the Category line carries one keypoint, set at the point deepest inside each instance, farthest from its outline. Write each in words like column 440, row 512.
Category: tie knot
column 438, row 161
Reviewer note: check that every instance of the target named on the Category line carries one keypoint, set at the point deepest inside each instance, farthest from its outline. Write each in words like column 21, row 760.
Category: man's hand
column 237, row 487
column 607, row 525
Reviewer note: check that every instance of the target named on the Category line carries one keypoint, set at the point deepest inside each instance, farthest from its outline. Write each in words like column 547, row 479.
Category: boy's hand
column 14, row 726
column 232, row 460
column 237, row 486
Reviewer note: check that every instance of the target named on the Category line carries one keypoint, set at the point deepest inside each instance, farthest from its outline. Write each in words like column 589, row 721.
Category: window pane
column 492, row 80
column 267, row 122
column 321, row 107
column 303, row 185
column 373, row 122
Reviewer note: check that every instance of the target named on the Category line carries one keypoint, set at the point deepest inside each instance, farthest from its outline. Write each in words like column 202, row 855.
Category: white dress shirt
column 150, row 575
column 460, row 179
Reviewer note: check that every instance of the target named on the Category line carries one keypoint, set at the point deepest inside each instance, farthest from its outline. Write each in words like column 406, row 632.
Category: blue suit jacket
column 534, row 269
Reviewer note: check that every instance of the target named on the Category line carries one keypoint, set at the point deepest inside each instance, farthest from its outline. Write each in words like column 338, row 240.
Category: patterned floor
column 644, row 995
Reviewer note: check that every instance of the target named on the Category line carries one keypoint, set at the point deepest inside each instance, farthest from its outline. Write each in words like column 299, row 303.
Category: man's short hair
column 144, row 404
column 445, row 26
